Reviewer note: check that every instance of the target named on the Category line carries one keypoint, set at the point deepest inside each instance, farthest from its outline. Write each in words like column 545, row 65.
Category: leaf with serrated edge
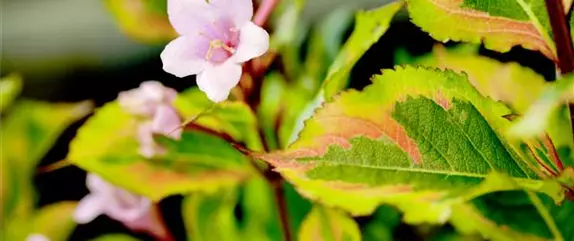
column 106, row 145
column 515, row 85
column 412, row 137
column 323, row 224
column 448, row 20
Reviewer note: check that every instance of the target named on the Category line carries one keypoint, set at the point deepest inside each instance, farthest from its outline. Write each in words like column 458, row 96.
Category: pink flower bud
column 152, row 102
column 104, row 198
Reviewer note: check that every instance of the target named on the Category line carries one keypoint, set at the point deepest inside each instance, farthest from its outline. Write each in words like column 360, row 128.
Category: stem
column 563, row 41
column 276, row 182
column 264, row 11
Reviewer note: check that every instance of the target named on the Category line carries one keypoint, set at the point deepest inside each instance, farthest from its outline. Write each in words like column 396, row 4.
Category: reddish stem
column 276, row 182
column 264, row 11
column 562, row 37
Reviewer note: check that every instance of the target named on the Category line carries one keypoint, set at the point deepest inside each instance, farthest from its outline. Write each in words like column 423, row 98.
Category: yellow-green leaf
column 323, row 224
column 369, row 27
column 106, row 144
column 234, row 118
column 413, row 138
column 143, row 20
column 499, row 24
column 211, row 217
column 27, row 133
column 10, row 87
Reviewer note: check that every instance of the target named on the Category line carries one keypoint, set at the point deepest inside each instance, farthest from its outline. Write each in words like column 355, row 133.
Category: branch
column 562, row 36
column 276, row 182
column 264, row 11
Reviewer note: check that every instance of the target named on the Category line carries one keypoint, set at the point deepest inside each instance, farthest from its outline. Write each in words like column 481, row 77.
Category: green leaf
column 297, row 206
column 381, row 224
column 540, row 114
column 115, row 237
column 447, row 234
column 412, row 138
column 145, row 21
column 211, row 217
column 369, row 27
column 10, row 88
column 55, row 221
column 32, row 128
column 511, row 83
column 28, row 132
column 500, row 24
column 512, row 214
column 515, row 215
column 231, row 117
column 260, row 220
column 324, row 224
column 270, row 111
column 106, row 145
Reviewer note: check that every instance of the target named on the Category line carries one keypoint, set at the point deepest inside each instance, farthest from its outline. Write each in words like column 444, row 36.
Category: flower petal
column 187, row 16
column 253, row 42
column 37, row 237
column 127, row 207
column 241, row 11
column 89, row 208
column 97, row 185
column 166, row 121
column 148, row 147
column 180, row 57
column 218, row 80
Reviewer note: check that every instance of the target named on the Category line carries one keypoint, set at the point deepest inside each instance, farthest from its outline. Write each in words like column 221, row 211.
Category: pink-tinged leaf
column 412, row 138
column 106, row 145
column 478, row 22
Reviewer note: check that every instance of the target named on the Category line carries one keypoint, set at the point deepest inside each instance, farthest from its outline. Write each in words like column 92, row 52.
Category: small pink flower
column 118, row 204
column 153, row 103
column 216, row 37
column 37, row 237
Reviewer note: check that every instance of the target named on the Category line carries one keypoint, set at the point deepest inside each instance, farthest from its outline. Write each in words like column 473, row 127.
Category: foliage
column 448, row 145
column 29, row 129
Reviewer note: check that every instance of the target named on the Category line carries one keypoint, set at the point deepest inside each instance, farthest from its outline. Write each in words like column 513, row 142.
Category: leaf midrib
column 536, row 22
column 425, row 171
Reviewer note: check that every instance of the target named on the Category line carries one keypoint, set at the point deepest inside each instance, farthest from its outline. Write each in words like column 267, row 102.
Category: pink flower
column 118, row 204
column 216, row 36
column 37, row 237
column 152, row 102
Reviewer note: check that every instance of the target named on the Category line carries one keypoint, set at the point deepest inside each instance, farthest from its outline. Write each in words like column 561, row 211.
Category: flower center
column 215, row 45
column 219, row 40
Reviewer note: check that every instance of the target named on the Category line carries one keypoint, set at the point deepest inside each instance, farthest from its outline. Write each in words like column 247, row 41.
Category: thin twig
column 276, row 182
column 264, row 11
column 257, row 70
